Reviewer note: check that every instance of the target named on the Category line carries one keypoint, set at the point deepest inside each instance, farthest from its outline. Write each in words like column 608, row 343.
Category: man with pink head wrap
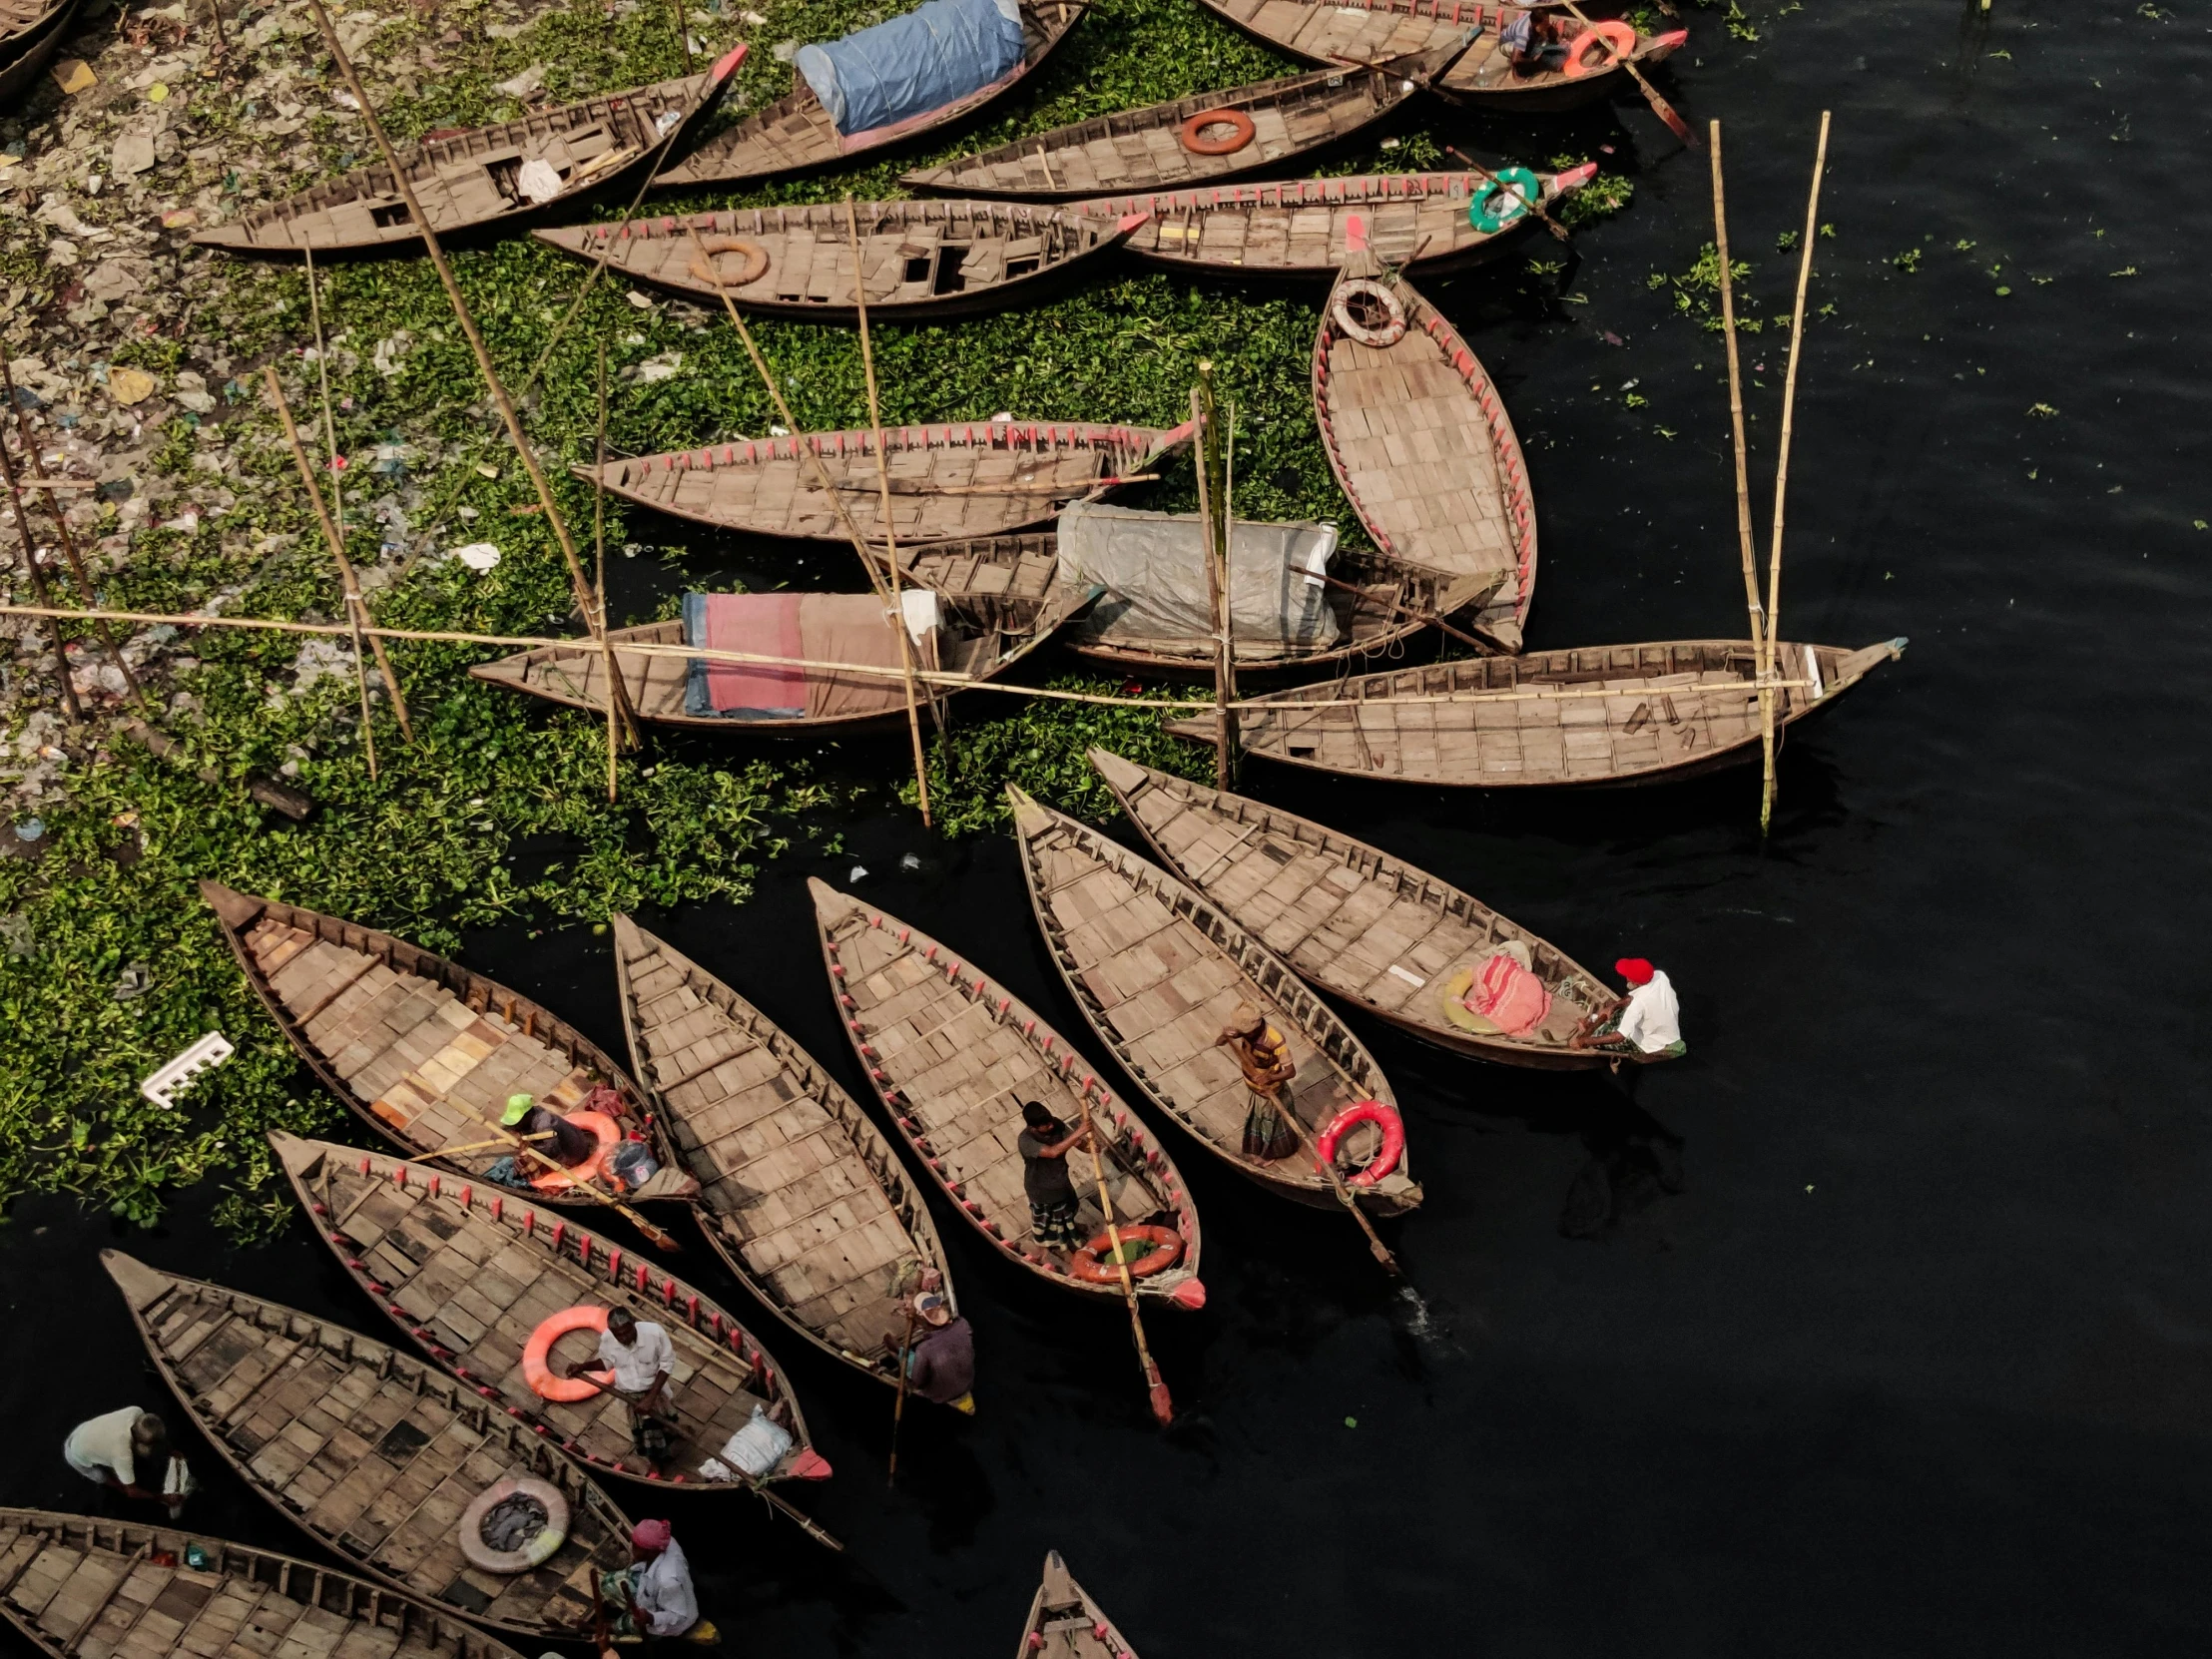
column 653, row 1596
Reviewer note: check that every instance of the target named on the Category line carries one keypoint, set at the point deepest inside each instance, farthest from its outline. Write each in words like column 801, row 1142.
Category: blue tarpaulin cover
column 914, row 64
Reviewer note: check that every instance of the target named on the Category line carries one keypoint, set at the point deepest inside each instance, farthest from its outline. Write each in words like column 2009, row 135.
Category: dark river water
column 1879, row 1325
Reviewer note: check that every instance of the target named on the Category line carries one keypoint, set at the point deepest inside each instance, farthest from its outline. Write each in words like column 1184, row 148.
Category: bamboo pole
column 1781, row 482
column 898, row 1405
column 890, row 535
column 1430, row 616
column 599, row 556
column 38, row 587
column 1744, row 536
column 1156, row 1388
column 1204, row 438
column 484, row 365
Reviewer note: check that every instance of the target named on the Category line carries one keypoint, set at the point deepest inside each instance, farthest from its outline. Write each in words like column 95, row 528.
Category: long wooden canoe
column 979, row 641
column 1421, row 442
column 422, row 1051
column 1359, row 923
column 1369, row 31
column 1157, row 969
column 953, row 1057
column 1303, row 229
column 803, row 1198
column 477, row 178
column 82, row 1588
column 973, row 479
column 1065, row 1623
column 470, row 1271
column 1293, row 118
column 795, row 135
column 1611, row 713
column 370, row 1451
column 923, row 259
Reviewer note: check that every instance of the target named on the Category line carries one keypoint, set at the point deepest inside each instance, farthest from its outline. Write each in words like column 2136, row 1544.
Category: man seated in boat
column 127, row 1451
column 1044, row 1144
column 642, row 1360
column 549, row 1132
column 653, row 1596
column 1647, row 1019
column 1530, row 42
column 1263, row 1054
column 941, row 1365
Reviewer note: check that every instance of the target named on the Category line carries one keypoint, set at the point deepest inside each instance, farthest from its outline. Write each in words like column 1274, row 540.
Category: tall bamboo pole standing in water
column 1206, row 451
column 1744, row 536
column 599, row 557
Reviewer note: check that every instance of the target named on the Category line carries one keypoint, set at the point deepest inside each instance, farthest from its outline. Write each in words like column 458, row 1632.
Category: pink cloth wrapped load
column 1508, row 997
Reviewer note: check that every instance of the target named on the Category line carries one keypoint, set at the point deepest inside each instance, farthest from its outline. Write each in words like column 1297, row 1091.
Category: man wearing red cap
column 1647, row 1019
column 653, row 1596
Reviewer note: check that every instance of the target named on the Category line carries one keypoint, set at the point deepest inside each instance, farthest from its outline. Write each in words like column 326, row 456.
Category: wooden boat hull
column 1305, row 228
column 1295, row 118
column 473, row 179
column 329, row 983
column 86, row 1587
column 924, row 260
column 1422, row 445
column 930, row 1051
column 1407, row 933
column 801, row 1194
column 1065, row 1623
column 795, row 135
column 947, row 482
column 469, row 1273
column 26, row 52
column 1160, row 1001
column 308, row 1413
column 1368, row 30
column 1682, row 707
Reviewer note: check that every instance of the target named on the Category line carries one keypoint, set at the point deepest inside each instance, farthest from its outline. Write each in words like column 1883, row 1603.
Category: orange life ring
column 707, row 267
column 609, row 1133
column 1383, row 1118
column 1389, row 332
column 1240, row 132
column 1613, row 33
column 1087, row 1265
column 539, row 1349
column 539, row 1549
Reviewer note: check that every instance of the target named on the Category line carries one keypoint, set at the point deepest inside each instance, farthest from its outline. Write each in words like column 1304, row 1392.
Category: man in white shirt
column 653, row 1596
column 643, row 1362
column 122, row 1449
column 1647, row 1019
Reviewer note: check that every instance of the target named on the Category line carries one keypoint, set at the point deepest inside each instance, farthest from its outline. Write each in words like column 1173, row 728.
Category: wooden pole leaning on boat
column 658, row 1237
column 1430, row 616
column 1156, row 1389
column 599, row 558
column 890, row 535
column 1659, row 106
column 1746, row 543
column 579, row 584
column 1782, row 484
column 898, row 1405
column 1204, row 439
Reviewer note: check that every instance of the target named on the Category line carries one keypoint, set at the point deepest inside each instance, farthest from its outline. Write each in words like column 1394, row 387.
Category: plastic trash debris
column 911, row 861
column 130, row 385
column 642, row 302
column 178, row 1075
column 478, row 555
column 73, row 74
column 858, row 873
column 134, row 981
column 538, row 181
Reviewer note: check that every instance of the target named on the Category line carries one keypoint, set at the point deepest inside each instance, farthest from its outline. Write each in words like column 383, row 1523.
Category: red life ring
column 538, row 1550
column 538, row 1349
column 1383, row 1118
column 609, row 1134
column 1087, row 1264
column 1611, row 33
column 1240, row 132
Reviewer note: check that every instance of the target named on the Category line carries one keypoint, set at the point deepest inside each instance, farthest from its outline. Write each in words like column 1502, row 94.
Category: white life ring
column 1392, row 327
column 538, row 1550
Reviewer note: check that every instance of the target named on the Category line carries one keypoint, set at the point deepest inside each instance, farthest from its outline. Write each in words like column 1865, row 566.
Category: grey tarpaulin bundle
column 1153, row 567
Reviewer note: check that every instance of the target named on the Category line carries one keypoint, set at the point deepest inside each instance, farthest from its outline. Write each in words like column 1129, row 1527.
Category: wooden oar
column 486, row 1145
column 1162, row 1408
column 1659, row 106
column 909, row 486
column 898, row 1406
column 658, row 1238
column 1521, row 196
column 1328, row 1167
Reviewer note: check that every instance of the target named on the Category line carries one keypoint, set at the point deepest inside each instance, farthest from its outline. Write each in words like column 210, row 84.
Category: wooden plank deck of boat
column 1157, row 970
column 953, row 1057
column 1065, row 1623
column 469, row 1273
column 85, row 1587
column 923, row 259
column 947, row 482
column 795, row 134
column 1293, row 118
column 1421, row 442
column 1305, row 227
column 422, row 1051
column 1616, row 713
column 370, row 1450
column 802, row 1197
column 1360, row 924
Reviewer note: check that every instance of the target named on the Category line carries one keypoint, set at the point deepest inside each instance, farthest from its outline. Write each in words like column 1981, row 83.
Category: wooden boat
column 370, row 1451
column 83, row 1587
column 422, row 1051
column 1169, row 147
column 1157, row 969
column 1379, row 932
column 29, row 32
column 1303, row 228
column 980, row 640
column 1368, row 30
column 1420, row 439
column 1617, row 714
column 470, row 1271
column 477, row 178
column 953, row 1057
column 795, row 135
column 802, row 1196
column 947, row 482
column 1065, row 1623
column 922, row 259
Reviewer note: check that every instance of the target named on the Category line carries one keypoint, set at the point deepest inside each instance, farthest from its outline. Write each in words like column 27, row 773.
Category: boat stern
column 1121, row 775
column 233, row 909
column 1574, row 178
column 141, row 1285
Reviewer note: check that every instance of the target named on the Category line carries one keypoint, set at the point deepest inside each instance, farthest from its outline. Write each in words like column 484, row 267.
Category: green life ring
column 1510, row 207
